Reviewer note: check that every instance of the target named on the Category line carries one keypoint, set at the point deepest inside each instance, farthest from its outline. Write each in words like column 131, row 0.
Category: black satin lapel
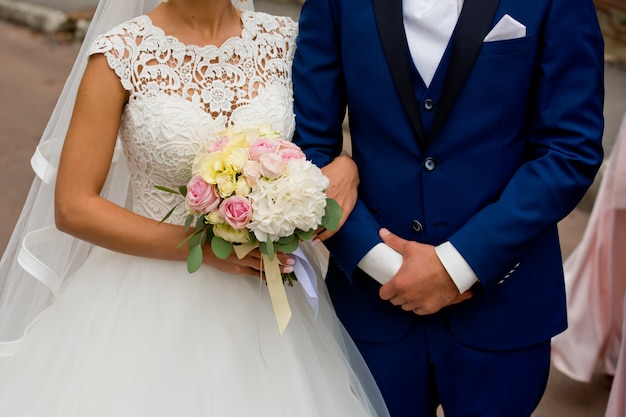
column 472, row 27
column 391, row 31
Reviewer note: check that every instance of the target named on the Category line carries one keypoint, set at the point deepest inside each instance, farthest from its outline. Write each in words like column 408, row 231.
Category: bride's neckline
column 173, row 38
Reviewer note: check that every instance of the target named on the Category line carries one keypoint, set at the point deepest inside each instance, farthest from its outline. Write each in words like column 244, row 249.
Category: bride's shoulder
column 269, row 23
column 124, row 33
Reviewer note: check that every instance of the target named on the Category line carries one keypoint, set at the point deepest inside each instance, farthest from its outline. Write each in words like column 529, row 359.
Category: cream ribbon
column 275, row 285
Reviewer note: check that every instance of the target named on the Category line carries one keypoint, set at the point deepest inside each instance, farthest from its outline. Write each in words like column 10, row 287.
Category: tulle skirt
column 131, row 336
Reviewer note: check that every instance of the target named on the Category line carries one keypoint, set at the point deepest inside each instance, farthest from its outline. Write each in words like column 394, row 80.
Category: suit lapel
column 389, row 20
column 472, row 27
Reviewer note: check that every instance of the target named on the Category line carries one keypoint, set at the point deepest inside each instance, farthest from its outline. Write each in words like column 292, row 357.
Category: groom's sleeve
column 320, row 107
column 564, row 145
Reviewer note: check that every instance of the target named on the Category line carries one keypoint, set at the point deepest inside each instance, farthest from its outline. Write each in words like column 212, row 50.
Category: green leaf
column 182, row 190
column 287, row 239
column 305, row 235
column 268, row 249
column 185, row 240
column 188, row 221
column 194, row 259
column 169, row 213
column 196, row 238
column 200, row 222
column 333, row 215
column 287, row 247
column 221, row 248
column 167, row 190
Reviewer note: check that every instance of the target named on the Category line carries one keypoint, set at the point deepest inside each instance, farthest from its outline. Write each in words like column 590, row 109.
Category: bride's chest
column 173, row 113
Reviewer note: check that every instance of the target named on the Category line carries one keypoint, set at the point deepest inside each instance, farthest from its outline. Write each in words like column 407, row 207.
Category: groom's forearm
column 355, row 239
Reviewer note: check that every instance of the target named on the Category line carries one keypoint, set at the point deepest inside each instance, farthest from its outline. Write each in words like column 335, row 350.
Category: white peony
column 296, row 200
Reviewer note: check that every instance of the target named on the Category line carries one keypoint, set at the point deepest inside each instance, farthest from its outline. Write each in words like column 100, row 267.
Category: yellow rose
column 243, row 188
column 211, row 165
column 214, row 217
column 230, row 234
column 238, row 158
column 266, row 130
column 226, row 183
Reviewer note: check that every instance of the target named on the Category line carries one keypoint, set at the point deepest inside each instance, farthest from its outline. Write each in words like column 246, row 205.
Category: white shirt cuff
column 381, row 263
column 461, row 273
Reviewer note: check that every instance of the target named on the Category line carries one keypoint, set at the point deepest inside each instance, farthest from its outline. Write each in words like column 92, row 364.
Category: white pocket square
column 506, row 28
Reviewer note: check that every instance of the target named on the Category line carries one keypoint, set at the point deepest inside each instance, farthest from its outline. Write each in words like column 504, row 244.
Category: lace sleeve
column 119, row 46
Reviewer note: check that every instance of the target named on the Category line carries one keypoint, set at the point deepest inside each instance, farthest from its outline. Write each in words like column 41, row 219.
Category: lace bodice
column 181, row 95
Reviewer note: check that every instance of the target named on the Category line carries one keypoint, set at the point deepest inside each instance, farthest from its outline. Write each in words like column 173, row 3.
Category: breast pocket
column 509, row 46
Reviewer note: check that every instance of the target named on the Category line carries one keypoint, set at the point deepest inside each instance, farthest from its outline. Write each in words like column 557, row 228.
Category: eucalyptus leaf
column 268, row 249
column 194, row 259
column 221, row 248
column 288, row 247
column 308, row 235
column 196, row 238
column 167, row 190
column 287, row 239
column 188, row 221
column 332, row 217
column 169, row 213
column 185, row 240
column 200, row 222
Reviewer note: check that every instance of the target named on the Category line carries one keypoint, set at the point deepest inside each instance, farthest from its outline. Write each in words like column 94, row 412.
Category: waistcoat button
column 416, row 225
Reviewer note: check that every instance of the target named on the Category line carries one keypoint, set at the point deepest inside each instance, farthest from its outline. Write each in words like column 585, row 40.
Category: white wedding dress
column 131, row 336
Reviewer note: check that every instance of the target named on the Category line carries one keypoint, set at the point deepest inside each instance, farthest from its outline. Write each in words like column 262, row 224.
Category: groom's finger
column 392, row 240
column 462, row 297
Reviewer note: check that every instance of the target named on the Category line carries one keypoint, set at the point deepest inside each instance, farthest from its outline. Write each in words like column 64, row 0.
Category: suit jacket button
column 429, row 104
column 416, row 226
column 429, row 164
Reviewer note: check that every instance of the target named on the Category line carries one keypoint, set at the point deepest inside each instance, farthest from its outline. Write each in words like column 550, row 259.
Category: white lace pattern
column 181, row 95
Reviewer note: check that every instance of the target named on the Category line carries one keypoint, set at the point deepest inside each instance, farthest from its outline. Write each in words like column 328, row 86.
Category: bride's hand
column 248, row 265
column 344, row 180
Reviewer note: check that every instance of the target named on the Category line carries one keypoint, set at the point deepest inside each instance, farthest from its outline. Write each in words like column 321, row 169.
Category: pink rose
column 289, row 150
column 290, row 154
column 217, row 145
column 252, row 172
column 272, row 165
column 237, row 211
column 201, row 196
column 262, row 146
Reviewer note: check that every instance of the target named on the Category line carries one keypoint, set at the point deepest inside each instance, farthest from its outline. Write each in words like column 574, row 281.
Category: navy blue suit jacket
column 500, row 147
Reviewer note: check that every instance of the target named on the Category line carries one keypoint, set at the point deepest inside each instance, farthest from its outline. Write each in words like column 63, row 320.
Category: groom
column 476, row 126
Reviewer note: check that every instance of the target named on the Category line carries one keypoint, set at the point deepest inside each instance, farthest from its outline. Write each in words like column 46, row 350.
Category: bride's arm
column 83, row 168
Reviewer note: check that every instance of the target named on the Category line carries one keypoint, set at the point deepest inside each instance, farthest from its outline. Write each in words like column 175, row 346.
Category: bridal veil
column 38, row 257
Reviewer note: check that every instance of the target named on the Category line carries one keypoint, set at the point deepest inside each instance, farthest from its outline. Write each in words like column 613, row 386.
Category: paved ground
column 34, row 77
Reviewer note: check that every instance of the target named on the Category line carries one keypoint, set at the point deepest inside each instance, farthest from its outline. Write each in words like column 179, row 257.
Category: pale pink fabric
column 617, row 398
column 595, row 277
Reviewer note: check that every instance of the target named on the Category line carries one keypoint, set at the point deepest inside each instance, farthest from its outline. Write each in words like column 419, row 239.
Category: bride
column 116, row 325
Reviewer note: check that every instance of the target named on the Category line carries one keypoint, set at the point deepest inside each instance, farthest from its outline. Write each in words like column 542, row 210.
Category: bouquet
column 251, row 188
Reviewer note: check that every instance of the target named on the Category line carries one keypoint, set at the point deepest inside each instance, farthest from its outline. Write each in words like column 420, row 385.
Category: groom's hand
column 422, row 284
column 343, row 175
